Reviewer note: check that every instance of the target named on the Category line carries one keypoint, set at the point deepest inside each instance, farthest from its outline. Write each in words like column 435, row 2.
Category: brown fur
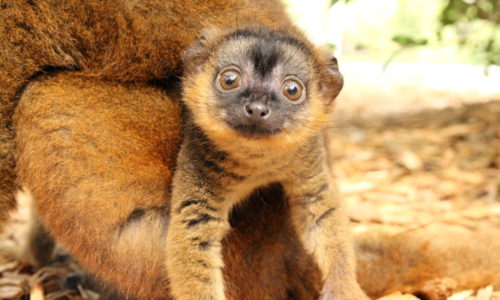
column 428, row 262
column 120, row 40
column 97, row 157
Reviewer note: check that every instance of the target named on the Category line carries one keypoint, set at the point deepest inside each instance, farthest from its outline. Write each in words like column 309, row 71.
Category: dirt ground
column 410, row 152
column 418, row 149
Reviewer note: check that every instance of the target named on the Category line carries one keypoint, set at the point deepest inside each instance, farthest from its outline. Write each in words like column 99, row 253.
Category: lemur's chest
column 257, row 173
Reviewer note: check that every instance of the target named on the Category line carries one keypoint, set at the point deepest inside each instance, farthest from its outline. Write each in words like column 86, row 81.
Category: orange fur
column 412, row 261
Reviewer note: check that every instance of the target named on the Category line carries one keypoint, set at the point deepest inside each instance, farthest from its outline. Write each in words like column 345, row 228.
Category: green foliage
column 457, row 11
column 332, row 2
column 331, row 47
column 463, row 15
column 405, row 42
column 471, row 26
column 408, row 41
column 492, row 50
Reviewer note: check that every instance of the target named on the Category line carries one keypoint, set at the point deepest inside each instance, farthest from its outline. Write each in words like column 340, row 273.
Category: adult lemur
column 122, row 40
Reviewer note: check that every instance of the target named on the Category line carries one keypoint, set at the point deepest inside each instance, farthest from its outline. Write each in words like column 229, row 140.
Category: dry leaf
column 485, row 293
column 463, row 295
column 37, row 292
column 399, row 296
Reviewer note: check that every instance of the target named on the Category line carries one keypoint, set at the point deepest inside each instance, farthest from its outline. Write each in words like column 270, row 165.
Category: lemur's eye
column 229, row 79
column 293, row 90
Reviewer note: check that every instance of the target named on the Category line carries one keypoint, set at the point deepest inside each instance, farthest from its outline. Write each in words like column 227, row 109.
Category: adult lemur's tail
column 430, row 262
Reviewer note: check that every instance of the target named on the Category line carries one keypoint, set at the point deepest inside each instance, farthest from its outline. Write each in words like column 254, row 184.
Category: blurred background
column 436, row 52
column 416, row 135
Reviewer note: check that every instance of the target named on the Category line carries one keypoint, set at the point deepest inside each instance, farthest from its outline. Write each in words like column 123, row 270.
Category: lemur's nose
column 256, row 111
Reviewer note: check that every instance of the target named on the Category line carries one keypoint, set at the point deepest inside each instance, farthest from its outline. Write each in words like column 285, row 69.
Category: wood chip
column 37, row 292
column 399, row 296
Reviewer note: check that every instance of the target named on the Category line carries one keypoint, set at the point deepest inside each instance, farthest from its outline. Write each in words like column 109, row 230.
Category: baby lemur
column 257, row 101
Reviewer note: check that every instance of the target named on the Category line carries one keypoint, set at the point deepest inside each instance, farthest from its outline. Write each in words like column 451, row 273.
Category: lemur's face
column 259, row 85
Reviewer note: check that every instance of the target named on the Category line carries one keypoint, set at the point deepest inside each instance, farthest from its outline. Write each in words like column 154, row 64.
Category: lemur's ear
column 331, row 81
column 333, row 65
column 198, row 52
